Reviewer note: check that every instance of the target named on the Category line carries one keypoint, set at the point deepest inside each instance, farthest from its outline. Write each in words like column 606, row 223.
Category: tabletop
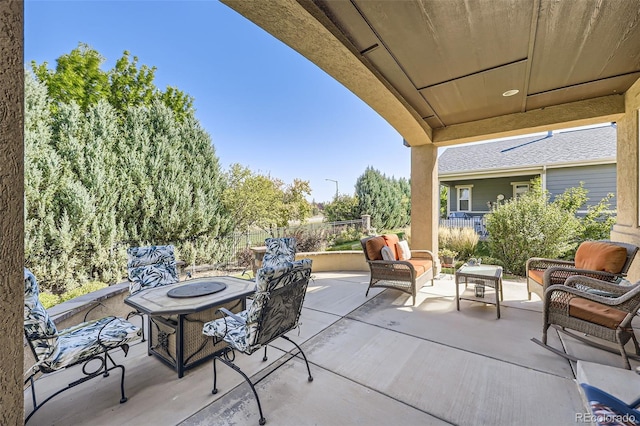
column 155, row 301
column 489, row 271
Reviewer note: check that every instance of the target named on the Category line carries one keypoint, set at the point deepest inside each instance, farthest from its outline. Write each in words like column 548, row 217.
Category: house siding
column 484, row 190
column 599, row 180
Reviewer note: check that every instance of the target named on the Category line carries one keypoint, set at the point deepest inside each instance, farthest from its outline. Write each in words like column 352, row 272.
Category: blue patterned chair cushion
column 151, row 255
column 279, row 251
column 91, row 338
column 38, row 327
column 152, row 266
column 608, row 410
column 58, row 349
column 243, row 335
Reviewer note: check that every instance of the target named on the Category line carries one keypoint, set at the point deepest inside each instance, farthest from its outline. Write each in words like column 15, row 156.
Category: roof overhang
column 436, row 71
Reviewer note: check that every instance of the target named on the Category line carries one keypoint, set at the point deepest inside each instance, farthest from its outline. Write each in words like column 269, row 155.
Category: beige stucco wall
column 424, row 198
column 626, row 228
column 11, row 210
column 347, row 260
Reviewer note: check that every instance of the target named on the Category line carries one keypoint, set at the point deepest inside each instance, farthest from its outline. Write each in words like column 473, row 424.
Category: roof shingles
column 572, row 146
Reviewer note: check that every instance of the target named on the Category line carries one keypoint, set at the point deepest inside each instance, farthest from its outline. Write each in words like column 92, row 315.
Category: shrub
column 445, row 252
column 488, row 260
column 245, row 257
column 529, row 226
column 345, row 235
column 82, row 290
column 307, row 240
column 461, row 240
column 597, row 223
column 48, row 299
column 444, row 237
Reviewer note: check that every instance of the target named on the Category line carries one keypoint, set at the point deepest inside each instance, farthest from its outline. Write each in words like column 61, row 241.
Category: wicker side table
column 483, row 276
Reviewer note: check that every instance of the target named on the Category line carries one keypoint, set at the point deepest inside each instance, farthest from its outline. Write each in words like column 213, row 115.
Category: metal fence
column 240, row 241
column 477, row 223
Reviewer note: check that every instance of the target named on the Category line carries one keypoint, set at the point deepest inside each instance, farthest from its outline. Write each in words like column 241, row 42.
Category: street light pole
column 333, row 180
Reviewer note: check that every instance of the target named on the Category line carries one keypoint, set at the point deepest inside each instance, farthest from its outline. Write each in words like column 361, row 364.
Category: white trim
column 487, row 174
column 518, row 171
column 515, row 185
column 460, row 187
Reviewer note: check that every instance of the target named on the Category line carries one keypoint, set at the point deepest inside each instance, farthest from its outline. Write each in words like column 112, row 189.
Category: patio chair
column 604, row 260
column 405, row 275
column 593, row 308
column 606, row 409
column 279, row 251
column 275, row 310
column 149, row 267
column 56, row 350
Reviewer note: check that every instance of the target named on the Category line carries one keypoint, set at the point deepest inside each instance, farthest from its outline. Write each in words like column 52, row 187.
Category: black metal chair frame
column 297, row 290
column 102, row 370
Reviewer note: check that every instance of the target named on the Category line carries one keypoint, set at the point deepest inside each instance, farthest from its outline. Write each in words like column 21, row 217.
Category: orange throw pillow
column 601, row 256
column 373, row 247
column 391, row 240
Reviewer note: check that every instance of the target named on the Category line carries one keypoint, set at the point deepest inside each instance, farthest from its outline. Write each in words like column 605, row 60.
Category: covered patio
column 375, row 360
column 441, row 74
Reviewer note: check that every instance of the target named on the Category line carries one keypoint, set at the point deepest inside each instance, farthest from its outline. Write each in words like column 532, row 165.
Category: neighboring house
column 478, row 175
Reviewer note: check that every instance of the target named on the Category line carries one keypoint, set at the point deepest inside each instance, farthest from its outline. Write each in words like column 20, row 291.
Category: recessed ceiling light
column 511, row 92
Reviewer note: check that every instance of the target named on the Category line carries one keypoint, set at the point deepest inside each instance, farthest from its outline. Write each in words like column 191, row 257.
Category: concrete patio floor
column 376, row 360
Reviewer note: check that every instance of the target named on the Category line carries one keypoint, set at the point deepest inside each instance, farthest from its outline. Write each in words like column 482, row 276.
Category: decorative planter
column 448, row 260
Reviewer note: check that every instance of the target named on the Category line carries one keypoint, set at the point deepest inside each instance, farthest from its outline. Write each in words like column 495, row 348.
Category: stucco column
column 424, row 198
column 627, row 228
column 11, row 210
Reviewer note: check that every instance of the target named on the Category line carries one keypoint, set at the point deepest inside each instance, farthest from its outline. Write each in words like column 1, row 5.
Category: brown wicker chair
column 542, row 273
column 404, row 275
column 594, row 308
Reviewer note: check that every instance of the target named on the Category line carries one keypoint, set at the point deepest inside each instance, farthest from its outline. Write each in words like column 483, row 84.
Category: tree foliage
column 257, row 200
column 98, row 180
column 387, row 200
column 78, row 78
column 345, row 207
column 532, row 226
column 597, row 222
column 529, row 226
column 444, row 197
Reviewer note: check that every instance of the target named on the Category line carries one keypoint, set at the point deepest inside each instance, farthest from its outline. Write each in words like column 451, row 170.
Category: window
column 464, row 198
column 519, row 188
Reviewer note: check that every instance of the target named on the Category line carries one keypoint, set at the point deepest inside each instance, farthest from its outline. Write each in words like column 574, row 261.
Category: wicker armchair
column 594, row 308
column 404, row 275
column 542, row 273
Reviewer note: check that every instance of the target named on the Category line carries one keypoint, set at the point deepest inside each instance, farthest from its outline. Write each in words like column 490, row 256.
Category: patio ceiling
column 448, row 63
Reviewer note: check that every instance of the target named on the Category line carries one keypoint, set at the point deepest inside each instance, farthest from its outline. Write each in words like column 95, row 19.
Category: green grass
column 346, row 246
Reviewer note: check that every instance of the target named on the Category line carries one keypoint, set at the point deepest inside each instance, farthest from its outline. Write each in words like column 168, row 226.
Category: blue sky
column 264, row 105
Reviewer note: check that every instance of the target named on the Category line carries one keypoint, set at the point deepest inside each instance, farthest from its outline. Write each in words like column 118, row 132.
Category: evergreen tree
column 387, row 200
column 100, row 180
